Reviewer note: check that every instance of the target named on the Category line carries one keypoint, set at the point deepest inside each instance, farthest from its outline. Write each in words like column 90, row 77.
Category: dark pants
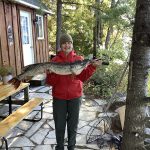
column 66, row 111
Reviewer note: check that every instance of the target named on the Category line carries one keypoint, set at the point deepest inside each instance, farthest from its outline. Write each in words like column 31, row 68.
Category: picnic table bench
column 20, row 114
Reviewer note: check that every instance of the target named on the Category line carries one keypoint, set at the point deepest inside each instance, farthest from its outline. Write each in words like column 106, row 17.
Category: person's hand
column 96, row 62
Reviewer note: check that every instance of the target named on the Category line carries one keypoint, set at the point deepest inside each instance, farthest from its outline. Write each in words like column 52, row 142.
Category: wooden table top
column 8, row 90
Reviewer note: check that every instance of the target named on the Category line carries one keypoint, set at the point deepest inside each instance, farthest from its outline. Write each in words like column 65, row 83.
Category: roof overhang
column 33, row 6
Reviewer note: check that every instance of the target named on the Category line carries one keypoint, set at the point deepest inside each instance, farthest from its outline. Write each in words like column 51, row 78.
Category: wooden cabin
column 23, row 33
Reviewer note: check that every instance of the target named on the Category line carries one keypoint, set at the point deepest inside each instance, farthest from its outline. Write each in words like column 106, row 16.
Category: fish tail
column 15, row 82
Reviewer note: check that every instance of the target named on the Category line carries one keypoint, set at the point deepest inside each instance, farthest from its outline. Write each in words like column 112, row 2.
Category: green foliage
column 78, row 19
column 114, row 16
column 105, row 80
column 79, row 24
column 5, row 70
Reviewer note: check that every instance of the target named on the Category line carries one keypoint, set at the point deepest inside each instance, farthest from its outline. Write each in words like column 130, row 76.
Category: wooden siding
column 16, row 39
column 3, row 36
column 12, row 54
column 8, row 18
column 46, row 37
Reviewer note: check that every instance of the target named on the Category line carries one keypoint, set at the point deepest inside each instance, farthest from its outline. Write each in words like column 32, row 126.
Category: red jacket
column 68, row 87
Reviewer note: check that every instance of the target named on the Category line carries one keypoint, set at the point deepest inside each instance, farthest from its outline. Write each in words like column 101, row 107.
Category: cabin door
column 27, row 40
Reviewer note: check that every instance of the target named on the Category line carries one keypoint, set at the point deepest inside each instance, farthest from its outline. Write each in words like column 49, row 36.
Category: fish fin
column 15, row 82
column 73, row 73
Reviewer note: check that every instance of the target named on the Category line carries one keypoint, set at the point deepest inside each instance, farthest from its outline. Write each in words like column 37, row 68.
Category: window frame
column 42, row 24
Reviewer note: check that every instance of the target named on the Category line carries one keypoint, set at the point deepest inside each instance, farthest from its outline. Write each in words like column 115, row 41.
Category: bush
column 104, row 81
column 5, row 70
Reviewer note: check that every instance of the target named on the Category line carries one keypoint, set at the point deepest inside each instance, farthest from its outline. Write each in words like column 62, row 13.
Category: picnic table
column 8, row 90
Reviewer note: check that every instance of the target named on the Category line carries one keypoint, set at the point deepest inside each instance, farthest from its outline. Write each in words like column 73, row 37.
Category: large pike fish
column 58, row 68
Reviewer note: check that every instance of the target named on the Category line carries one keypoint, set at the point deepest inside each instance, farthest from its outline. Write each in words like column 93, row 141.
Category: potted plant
column 6, row 73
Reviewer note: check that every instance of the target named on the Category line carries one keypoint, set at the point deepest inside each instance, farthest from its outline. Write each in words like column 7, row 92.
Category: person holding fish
column 67, row 92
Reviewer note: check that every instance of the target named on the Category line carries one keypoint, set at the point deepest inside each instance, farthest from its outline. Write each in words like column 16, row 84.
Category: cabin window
column 39, row 27
column 25, row 30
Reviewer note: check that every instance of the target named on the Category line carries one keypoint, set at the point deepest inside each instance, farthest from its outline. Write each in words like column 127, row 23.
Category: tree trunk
column 96, row 30
column 94, row 42
column 110, row 28
column 59, row 23
column 109, row 33
column 133, row 134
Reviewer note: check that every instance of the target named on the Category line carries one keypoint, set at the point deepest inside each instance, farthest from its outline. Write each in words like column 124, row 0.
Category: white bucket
column 5, row 79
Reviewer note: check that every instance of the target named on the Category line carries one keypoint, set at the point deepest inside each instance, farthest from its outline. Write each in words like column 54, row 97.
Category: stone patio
column 41, row 135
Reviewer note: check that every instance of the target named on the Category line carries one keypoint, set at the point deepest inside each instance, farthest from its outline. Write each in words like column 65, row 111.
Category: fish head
column 84, row 63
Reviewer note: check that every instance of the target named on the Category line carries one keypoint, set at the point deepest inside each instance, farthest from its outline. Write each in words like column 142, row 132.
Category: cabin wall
column 11, row 52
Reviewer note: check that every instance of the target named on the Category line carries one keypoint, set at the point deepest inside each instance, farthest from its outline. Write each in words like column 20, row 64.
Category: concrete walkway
column 41, row 135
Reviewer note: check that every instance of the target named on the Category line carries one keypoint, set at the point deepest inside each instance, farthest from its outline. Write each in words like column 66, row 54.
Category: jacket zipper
column 67, row 82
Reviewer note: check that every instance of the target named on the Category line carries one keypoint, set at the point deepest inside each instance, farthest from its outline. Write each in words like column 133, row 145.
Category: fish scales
column 58, row 68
